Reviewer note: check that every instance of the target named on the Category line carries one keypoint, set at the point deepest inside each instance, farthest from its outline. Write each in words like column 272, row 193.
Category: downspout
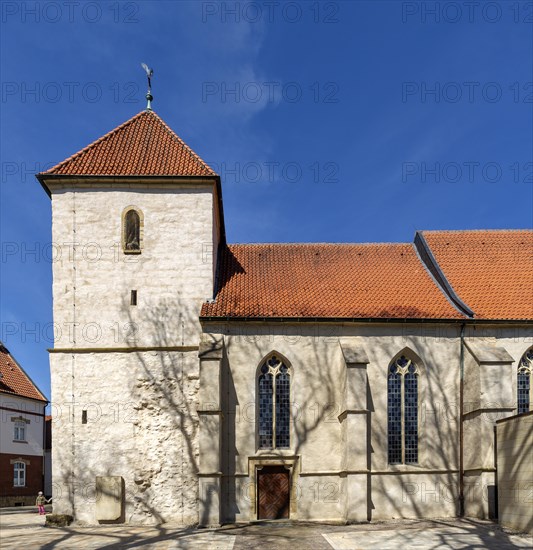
column 43, row 451
column 461, row 442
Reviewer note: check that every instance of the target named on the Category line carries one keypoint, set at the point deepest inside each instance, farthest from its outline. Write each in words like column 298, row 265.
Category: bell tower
column 137, row 222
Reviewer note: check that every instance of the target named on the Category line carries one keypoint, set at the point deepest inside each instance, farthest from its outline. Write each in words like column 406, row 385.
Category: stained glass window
column 410, row 381
column 265, row 408
column 402, row 411
column 283, row 405
column 395, row 416
column 274, row 404
column 525, row 369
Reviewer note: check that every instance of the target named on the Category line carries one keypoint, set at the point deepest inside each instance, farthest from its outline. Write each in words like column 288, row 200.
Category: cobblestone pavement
column 25, row 530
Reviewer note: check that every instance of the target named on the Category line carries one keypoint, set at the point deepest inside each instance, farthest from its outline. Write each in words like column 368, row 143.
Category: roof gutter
column 43, row 400
column 388, row 320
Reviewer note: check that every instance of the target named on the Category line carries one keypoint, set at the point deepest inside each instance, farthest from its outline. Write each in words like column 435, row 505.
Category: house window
column 402, row 411
column 525, row 370
column 131, row 231
column 20, row 431
column 274, row 404
column 19, row 474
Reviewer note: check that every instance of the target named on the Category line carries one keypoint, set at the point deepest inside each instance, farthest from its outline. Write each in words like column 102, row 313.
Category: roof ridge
column 476, row 230
column 322, row 244
column 94, row 143
column 180, row 141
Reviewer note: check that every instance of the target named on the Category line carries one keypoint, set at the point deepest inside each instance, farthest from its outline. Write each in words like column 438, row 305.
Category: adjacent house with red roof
column 22, row 406
column 207, row 382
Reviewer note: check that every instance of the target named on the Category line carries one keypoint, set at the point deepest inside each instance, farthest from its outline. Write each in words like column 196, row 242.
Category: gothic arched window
column 274, row 404
column 131, row 231
column 402, row 411
column 525, row 370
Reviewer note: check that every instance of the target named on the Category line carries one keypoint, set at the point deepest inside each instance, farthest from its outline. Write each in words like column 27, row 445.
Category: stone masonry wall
column 140, row 418
column 141, row 425
column 173, row 275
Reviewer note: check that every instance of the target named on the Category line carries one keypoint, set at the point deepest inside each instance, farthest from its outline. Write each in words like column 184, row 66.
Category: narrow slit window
column 133, row 298
column 84, row 417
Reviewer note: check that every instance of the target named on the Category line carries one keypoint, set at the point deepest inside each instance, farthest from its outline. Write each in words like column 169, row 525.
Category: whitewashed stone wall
column 140, row 405
column 173, row 275
column 141, row 425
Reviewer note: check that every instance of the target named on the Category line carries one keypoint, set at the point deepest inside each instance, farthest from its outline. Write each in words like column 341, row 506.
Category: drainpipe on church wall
column 461, row 443
column 43, row 451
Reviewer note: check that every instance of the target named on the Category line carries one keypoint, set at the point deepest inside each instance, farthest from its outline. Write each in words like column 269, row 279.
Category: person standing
column 40, row 501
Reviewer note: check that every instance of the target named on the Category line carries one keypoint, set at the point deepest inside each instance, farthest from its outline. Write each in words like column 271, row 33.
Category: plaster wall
column 33, row 443
column 429, row 488
column 515, row 472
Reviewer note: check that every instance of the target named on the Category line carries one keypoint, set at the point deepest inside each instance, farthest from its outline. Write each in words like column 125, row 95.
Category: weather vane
column 149, row 73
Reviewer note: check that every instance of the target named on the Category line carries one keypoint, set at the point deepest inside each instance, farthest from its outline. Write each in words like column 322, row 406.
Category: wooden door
column 273, row 492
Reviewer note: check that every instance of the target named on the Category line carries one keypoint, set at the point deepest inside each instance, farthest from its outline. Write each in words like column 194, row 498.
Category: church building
column 197, row 381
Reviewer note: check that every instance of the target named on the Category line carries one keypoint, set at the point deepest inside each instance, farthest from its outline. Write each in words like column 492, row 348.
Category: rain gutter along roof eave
column 13, row 394
column 354, row 320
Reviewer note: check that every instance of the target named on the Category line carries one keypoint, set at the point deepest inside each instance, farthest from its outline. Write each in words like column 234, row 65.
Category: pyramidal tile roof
column 142, row 146
column 14, row 380
column 327, row 281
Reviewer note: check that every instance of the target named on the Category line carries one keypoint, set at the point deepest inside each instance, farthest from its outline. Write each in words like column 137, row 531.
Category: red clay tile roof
column 491, row 271
column 14, row 380
column 142, row 146
column 327, row 281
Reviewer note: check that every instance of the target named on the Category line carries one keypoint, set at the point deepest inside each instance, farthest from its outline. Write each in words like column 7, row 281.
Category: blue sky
column 328, row 121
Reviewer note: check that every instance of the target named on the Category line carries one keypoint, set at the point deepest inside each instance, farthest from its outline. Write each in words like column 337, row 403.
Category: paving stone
column 25, row 529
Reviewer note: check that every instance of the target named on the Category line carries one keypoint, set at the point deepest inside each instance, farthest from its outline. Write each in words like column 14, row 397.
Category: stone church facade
column 195, row 381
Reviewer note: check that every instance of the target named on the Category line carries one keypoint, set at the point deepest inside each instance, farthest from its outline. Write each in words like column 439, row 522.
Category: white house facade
column 22, row 406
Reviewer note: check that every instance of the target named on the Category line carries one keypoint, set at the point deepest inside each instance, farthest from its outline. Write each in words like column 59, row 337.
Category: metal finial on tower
column 149, row 97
